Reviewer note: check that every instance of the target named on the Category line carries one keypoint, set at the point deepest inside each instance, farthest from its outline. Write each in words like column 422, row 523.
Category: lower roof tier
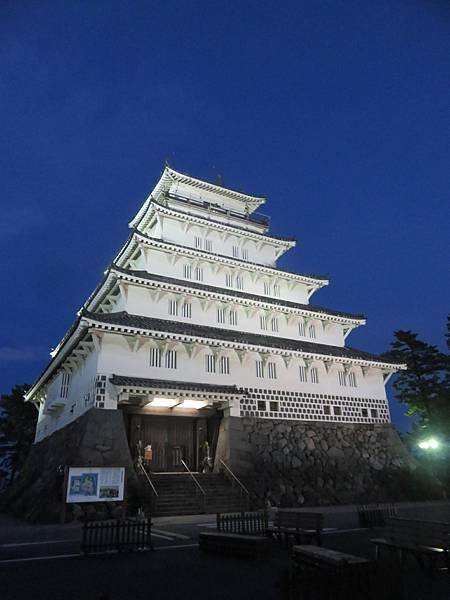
column 141, row 323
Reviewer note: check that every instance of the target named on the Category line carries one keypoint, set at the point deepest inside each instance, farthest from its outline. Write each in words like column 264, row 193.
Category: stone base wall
column 98, row 438
column 291, row 464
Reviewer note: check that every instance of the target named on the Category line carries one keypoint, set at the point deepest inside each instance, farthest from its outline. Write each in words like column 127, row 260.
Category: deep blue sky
column 338, row 111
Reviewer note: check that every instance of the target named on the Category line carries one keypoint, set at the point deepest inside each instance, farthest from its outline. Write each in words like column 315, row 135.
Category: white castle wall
column 139, row 302
column 81, row 397
column 163, row 263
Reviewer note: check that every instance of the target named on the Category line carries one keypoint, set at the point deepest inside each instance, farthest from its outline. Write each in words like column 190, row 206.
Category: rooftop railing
column 257, row 218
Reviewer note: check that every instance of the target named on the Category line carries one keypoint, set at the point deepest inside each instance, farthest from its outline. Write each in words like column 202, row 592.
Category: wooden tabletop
column 325, row 555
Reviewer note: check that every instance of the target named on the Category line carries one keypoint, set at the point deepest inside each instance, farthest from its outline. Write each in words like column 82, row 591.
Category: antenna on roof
column 166, row 162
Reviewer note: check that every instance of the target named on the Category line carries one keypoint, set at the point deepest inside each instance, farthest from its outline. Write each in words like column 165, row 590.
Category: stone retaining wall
column 291, row 463
column 98, row 438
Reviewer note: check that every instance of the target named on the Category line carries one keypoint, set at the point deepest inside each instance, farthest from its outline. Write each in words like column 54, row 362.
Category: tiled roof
column 231, row 226
column 124, row 319
column 236, row 293
column 231, row 258
column 126, row 381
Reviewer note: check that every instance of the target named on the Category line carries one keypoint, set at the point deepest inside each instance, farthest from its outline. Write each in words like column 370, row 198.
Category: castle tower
column 194, row 324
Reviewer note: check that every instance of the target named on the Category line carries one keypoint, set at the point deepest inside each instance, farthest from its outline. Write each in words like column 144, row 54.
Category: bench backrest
column 419, row 533
column 298, row 519
column 252, row 523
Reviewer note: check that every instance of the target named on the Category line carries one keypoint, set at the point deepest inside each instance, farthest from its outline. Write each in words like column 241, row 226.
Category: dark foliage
column 17, row 427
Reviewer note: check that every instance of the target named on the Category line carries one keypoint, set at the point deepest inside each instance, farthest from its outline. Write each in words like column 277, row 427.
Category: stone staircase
column 179, row 495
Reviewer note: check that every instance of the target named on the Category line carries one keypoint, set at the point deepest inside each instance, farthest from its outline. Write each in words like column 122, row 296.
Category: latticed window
column 186, row 310
column 239, row 282
column 221, row 315
column 224, row 365
column 259, row 368
column 170, row 359
column 65, row 382
column 272, row 370
column 314, row 375
column 274, row 324
column 303, row 374
column 301, row 328
column 352, row 379
column 276, row 290
column 312, row 331
column 210, row 363
column 173, row 308
column 236, row 251
column 232, row 317
column 187, row 271
column 267, row 288
column 263, row 321
column 198, row 242
column 155, row 357
column 208, row 245
column 245, row 254
column 342, row 378
column 229, row 280
column 199, row 273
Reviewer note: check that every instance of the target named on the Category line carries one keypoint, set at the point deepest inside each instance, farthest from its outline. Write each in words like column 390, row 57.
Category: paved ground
column 42, row 562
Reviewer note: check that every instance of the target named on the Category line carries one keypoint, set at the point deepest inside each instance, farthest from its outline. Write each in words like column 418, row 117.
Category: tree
column 425, row 385
column 17, row 427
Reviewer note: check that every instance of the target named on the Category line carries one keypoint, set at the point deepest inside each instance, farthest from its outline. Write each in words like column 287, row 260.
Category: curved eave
column 118, row 274
column 217, row 341
column 74, row 335
column 170, row 176
column 156, row 207
column 316, row 282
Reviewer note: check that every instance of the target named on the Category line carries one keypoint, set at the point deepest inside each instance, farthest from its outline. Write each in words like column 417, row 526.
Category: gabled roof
column 141, row 323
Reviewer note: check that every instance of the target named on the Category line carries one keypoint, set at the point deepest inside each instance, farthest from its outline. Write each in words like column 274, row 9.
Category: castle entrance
column 173, row 439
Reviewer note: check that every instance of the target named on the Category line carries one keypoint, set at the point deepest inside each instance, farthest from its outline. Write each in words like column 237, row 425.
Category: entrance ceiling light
column 197, row 404
column 163, row 402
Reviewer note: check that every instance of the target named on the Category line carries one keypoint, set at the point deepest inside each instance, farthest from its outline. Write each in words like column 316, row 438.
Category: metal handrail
column 147, row 477
column 193, row 477
column 234, row 477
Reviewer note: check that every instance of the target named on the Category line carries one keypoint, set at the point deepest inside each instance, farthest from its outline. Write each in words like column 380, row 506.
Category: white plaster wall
column 214, row 273
column 173, row 231
column 139, row 301
column 117, row 358
column 82, row 382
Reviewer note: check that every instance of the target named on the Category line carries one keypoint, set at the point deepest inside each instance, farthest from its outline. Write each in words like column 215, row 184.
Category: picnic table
column 420, row 539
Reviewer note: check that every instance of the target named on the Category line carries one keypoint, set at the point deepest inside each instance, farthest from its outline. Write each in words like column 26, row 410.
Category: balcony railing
column 257, row 218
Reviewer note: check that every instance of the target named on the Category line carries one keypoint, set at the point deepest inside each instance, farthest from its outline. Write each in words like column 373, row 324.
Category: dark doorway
column 172, row 439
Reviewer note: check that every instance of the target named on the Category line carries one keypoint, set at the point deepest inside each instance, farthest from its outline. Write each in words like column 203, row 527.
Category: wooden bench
column 318, row 557
column 250, row 546
column 421, row 539
column 244, row 523
column 318, row 572
column 301, row 525
column 375, row 515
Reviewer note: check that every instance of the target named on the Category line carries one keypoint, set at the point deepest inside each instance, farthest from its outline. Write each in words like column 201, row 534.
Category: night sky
column 338, row 111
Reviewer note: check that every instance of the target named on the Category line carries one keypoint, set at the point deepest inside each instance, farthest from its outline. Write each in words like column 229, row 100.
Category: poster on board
column 95, row 484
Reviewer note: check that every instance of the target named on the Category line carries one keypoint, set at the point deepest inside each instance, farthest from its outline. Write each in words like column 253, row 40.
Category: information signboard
column 95, row 484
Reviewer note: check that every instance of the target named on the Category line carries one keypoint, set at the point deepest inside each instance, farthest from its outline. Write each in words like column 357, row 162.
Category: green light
column 430, row 444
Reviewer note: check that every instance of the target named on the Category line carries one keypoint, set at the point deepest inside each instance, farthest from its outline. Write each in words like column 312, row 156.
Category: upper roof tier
column 175, row 184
